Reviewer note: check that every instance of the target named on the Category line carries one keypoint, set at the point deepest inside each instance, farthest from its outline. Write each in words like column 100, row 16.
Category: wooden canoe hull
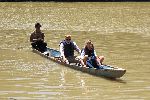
column 113, row 72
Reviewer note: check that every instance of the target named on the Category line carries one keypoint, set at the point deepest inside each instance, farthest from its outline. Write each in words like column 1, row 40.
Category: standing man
column 37, row 39
column 67, row 47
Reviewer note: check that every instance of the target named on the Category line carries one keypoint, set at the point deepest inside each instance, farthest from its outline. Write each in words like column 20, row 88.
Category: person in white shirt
column 67, row 47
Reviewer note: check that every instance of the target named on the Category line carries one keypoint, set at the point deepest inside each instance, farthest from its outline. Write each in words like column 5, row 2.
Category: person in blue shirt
column 88, row 52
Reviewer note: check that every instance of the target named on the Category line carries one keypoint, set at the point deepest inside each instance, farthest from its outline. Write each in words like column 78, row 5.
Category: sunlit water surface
column 120, row 32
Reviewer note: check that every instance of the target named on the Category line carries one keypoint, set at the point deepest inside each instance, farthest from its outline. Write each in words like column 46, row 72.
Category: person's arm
column 95, row 53
column 62, row 53
column 61, row 49
column 77, row 48
column 82, row 54
column 42, row 38
column 31, row 38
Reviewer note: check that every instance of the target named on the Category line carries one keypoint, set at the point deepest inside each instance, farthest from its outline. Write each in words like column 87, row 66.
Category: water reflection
column 62, row 79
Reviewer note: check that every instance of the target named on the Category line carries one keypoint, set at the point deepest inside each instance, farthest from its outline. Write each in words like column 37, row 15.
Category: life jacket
column 89, row 52
column 68, row 48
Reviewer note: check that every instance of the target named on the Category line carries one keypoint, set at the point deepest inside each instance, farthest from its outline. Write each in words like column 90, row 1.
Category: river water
column 119, row 31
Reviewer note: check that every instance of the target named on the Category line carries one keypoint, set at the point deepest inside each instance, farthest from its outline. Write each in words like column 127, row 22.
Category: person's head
column 68, row 39
column 89, row 45
column 37, row 25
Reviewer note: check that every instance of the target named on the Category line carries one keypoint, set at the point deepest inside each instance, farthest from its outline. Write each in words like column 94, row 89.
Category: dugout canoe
column 105, row 71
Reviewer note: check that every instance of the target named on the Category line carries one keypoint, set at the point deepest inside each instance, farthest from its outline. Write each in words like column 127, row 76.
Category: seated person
column 67, row 47
column 88, row 53
column 37, row 39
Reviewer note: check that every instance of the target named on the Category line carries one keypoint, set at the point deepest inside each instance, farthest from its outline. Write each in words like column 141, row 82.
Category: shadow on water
column 111, row 79
column 117, row 80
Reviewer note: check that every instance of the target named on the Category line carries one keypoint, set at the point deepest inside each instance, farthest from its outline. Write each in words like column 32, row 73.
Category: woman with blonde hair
column 89, row 54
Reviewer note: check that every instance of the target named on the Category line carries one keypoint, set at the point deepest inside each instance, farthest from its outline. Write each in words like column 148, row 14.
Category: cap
column 37, row 24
